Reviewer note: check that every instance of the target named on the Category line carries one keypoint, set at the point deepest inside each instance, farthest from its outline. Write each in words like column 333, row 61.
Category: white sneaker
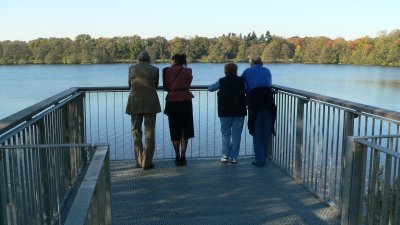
column 224, row 160
column 234, row 161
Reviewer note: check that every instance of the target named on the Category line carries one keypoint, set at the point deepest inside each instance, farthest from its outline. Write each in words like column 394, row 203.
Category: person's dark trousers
column 262, row 136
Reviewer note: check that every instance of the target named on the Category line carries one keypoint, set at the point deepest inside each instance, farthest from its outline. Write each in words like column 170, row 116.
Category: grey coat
column 143, row 98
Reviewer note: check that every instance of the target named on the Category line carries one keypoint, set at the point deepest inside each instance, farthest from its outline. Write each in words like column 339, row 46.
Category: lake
column 24, row 85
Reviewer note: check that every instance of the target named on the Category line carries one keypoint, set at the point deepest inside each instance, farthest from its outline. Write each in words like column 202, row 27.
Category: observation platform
column 208, row 192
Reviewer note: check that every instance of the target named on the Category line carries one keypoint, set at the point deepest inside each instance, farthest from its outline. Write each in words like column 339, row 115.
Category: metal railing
column 92, row 204
column 311, row 137
column 106, row 121
column 310, row 141
column 37, row 180
column 371, row 192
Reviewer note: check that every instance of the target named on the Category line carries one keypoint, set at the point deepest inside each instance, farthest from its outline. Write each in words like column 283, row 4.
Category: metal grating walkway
column 206, row 192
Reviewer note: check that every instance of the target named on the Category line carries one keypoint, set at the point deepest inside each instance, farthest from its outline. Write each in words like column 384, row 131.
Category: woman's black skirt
column 180, row 119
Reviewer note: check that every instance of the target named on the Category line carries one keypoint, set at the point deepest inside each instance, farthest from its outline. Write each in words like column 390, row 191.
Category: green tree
column 198, row 48
column 242, row 55
column 177, row 46
column 104, row 51
column 312, row 48
column 16, row 52
column 136, row 45
column 85, row 46
column 157, row 47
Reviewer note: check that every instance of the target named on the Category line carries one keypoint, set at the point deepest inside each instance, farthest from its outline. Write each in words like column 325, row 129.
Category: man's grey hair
column 256, row 60
column 143, row 56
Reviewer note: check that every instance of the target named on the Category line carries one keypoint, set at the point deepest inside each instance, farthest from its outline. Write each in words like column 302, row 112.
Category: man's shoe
column 148, row 167
column 224, row 160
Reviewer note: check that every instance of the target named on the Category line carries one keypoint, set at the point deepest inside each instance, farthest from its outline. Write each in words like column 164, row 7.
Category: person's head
column 231, row 69
column 179, row 59
column 256, row 60
column 143, row 56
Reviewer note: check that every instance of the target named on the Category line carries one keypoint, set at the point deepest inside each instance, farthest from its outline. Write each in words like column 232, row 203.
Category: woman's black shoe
column 183, row 161
column 177, row 161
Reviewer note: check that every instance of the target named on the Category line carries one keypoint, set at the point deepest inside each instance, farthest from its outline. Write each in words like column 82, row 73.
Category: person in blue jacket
column 231, row 111
column 261, row 108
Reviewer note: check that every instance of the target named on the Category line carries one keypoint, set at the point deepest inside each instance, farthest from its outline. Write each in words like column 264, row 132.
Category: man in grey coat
column 143, row 106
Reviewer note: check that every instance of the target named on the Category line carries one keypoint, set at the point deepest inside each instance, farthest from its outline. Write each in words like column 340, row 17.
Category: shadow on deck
column 206, row 192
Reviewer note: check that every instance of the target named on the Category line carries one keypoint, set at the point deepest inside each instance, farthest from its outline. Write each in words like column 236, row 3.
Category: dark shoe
column 138, row 166
column 257, row 164
column 148, row 167
column 177, row 161
column 183, row 161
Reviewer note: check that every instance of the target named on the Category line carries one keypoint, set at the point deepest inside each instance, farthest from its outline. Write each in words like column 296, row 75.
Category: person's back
column 257, row 76
column 231, row 97
column 143, row 80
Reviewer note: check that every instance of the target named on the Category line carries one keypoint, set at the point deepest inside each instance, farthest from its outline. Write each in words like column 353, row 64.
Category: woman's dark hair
column 180, row 59
column 231, row 69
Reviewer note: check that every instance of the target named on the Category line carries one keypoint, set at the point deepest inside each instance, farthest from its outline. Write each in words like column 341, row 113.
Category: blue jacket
column 256, row 76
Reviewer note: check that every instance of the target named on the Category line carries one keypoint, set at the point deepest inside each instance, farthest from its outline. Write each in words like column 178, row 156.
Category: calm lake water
column 24, row 85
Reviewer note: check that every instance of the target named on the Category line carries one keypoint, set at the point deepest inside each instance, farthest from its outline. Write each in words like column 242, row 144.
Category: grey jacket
column 143, row 98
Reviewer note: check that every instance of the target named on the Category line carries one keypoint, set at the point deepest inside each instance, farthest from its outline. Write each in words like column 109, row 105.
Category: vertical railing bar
column 385, row 190
column 123, row 125
column 332, row 135
column 163, row 124
column 278, row 127
column 313, row 147
column 317, row 149
column 309, row 144
column 397, row 200
column 293, row 132
column 282, row 128
column 337, row 156
column 115, row 132
column 305, row 163
column 284, row 131
column 199, row 125
column 321, row 131
column 106, row 94
column 4, row 189
column 22, row 177
column 39, row 178
column 14, row 184
column 207, row 125
column 287, row 135
column 98, row 117
column 288, row 132
column 215, row 127
column 28, row 178
column 90, row 116
column 326, row 150
column 33, row 173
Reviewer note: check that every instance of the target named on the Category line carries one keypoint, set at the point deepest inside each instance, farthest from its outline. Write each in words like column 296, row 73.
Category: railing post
column 354, row 182
column 348, row 129
column 107, row 177
column 44, row 175
column 299, row 138
column 3, row 203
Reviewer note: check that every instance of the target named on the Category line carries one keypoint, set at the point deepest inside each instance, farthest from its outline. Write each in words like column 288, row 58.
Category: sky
column 26, row 20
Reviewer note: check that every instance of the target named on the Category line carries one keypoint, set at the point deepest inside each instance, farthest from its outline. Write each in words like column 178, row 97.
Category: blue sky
column 30, row 19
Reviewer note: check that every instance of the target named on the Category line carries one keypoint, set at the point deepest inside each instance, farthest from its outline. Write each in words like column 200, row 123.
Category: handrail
column 25, row 114
column 17, row 118
column 344, row 103
column 95, row 188
column 390, row 114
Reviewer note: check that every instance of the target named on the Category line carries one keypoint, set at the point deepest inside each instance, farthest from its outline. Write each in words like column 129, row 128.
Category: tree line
column 383, row 50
